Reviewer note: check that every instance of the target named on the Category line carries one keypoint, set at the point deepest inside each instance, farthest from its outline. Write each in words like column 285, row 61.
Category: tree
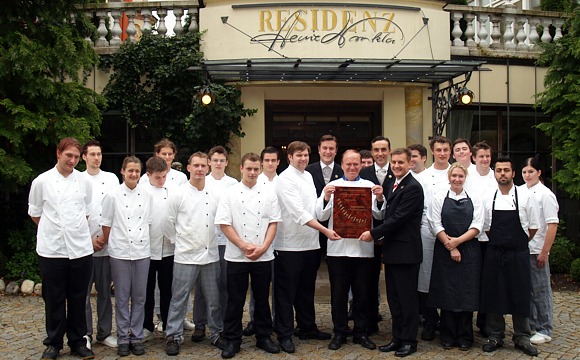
column 561, row 99
column 153, row 88
column 44, row 61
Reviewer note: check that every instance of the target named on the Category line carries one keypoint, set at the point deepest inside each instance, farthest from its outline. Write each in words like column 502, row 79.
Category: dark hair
column 163, row 143
column 462, row 140
column 381, row 138
column 217, row 150
column 269, row 150
column 533, row 162
column 440, row 140
column 482, row 145
column 131, row 159
column 253, row 157
column 295, row 146
column 155, row 164
column 197, row 154
column 418, row 147
column 502, row 158
column 401, row 151
column 366, row 154
column 328, row 138
column 66, row 143
column 89, row 143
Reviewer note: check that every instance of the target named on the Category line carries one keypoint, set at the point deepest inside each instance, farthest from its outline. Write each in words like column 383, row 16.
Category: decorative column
column 414, row 115
column 456, row 32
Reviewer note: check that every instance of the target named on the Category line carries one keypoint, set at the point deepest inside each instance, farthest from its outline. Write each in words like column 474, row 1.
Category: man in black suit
column 402, row 253
column 323, row 172
column 379, row 173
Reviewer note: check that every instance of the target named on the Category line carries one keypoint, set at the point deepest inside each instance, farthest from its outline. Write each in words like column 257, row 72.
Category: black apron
column 455, row 285
column 506, row 280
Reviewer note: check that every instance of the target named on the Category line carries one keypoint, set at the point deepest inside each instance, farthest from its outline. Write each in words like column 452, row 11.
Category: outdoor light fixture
column 205, row 96
column 465, row 96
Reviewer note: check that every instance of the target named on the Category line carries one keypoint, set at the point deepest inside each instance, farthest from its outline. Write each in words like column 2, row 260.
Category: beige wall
column 365, row 37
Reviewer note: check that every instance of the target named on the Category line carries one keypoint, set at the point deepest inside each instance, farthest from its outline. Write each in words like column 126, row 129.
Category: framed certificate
column 351, row 213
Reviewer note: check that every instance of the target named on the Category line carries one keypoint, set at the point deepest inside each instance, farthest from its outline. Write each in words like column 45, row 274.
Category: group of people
column 447, row 237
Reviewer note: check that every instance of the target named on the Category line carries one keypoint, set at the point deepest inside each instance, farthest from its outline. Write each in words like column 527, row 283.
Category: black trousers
column 481, row 316
column 160, row 271
column 346, row 273
column 294, row 286
column 430, row 314
column 456, row 327
column 238, row 274
column 375, row 276
column 65, row 284
column 403, row 301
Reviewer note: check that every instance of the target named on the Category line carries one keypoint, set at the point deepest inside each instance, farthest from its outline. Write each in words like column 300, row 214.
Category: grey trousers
column 199, row 299
column 542, row 309
column 130, row 278
column 185, row 276
column 495, row 324
column 101, row 276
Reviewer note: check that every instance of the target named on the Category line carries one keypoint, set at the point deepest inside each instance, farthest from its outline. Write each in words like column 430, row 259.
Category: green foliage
column 153, row 88
column 554, row 5
column 561, row 255
column 458, row 2
column 24, row 262
column 44, row 62
column 575, row 269
column 561, row 99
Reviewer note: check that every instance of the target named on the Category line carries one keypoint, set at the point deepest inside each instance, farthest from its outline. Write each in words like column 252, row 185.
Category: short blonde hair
column 457, row 165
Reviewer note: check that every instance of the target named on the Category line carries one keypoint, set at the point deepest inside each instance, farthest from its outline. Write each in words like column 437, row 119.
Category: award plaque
column 351, row 213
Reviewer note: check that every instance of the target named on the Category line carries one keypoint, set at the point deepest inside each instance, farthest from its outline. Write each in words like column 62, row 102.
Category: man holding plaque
column 349, row 204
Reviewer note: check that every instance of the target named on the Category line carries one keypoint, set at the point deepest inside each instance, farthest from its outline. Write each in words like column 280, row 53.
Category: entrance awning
column 359, row 70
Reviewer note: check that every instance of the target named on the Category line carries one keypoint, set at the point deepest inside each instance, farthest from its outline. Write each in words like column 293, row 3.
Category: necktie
column 326, row 172
column 395, row 186
column 381, row 174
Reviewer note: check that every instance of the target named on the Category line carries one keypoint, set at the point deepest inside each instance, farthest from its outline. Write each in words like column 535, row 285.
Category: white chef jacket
column 219, row 188
column 249, row 211
column 434, row 214
column 128, row 213
column 63, row 204
column 103, row 183
column 190, row 224
column 350, row 247
column 528, row 209
column 482, row 186
column 297, row 197
column 548, row 213
column 174, row 178
column 161, row 246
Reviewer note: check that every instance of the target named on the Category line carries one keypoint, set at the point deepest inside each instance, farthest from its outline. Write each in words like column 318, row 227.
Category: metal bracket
column 443, row 101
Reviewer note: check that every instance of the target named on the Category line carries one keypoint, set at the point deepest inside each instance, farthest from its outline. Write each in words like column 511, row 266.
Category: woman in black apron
column 457, row 219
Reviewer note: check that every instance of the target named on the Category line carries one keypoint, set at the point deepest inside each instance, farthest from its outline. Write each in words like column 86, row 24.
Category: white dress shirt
column 434, row 214
column 350, row 247
column 103, row 183
column 548, row 213
column 297, row 197
column 190, row 225
column 219, row 187
column 161, row 246
column 63, row 204
column 249, row 211
column 129, row 214
column 528, row 209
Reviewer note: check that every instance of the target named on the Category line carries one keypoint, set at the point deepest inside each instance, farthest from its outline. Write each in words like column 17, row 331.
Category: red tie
column 395, row 186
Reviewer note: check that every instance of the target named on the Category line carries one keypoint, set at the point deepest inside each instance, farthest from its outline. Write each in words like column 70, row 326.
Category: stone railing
column 501, row 32
column 158, row 16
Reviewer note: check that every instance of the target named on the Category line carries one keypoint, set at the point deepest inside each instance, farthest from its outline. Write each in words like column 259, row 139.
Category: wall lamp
column 205, row 95
column 445, row 99
column 465, row 96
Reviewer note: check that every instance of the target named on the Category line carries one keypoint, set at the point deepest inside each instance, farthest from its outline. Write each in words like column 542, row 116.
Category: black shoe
column 491, row 345
column 172, row 347
column 528, row 349
column 220, row 343
column 349, row 314
column 428, row 332
column 267, row 345
column 83, row 352
column 365, row 342
column 337, row 342
column 50, row 353
column 250, row 329
column 392, row 346
column 198, row 334
column 137, row 349
column 373, row 329
column 464, row 346
column 230, row 350
column 287, row 345
column 446, row 345
column 314, row 335
column 123, row 350
column 405, row 350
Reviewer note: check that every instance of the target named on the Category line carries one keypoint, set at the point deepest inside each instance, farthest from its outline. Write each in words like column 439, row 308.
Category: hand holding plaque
column 351, row 213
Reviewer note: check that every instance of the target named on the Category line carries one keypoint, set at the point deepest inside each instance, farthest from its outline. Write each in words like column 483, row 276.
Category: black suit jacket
column 316, row 171
column 369, row 173
column 401, row 230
